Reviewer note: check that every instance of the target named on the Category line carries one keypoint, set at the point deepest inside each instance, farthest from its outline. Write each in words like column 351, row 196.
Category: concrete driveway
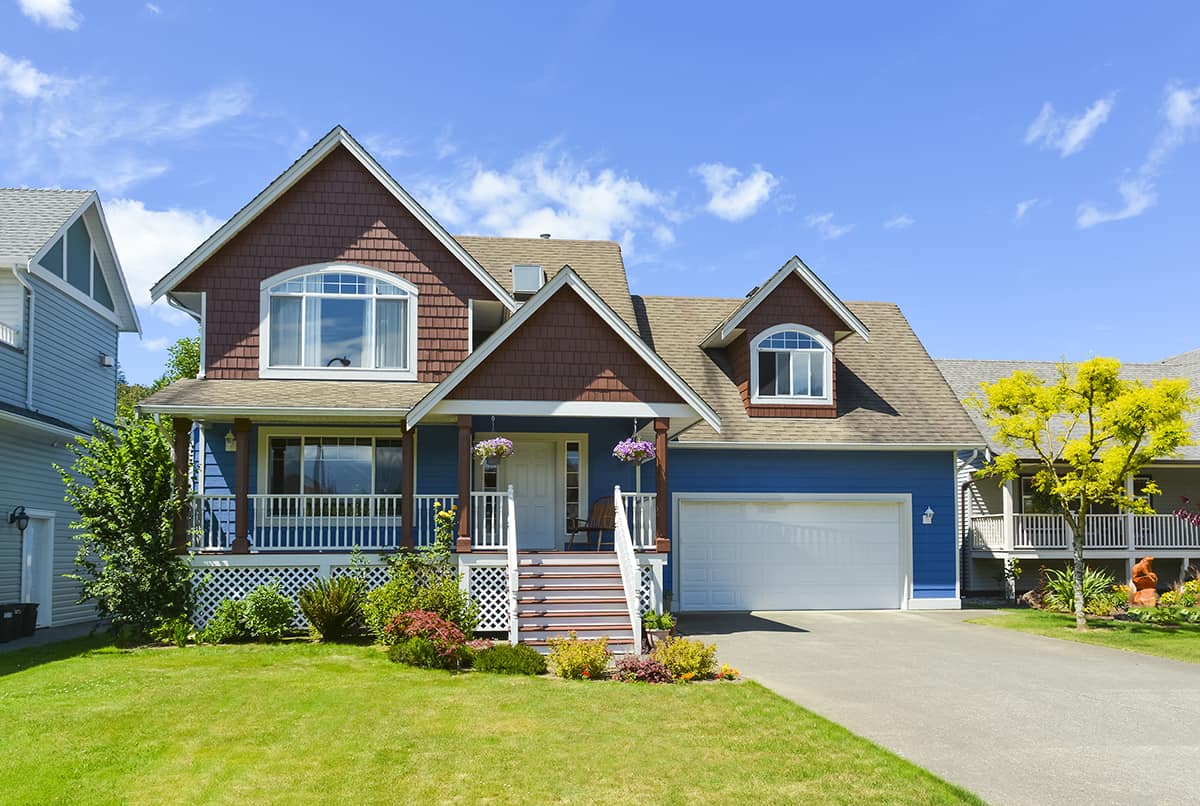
column 1015, row 718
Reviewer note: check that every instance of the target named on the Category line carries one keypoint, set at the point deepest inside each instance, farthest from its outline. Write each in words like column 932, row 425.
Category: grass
column 298, row 723
column 1182, row 643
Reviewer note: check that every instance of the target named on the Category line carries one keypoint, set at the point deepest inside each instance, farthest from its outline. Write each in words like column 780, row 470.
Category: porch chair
column 603, row 518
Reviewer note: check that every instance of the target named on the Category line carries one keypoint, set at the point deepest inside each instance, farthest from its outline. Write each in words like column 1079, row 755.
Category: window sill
column 759, row 400
column 335, row 373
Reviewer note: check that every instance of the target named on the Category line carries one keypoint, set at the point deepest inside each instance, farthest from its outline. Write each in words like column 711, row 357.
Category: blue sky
column 1019, row 179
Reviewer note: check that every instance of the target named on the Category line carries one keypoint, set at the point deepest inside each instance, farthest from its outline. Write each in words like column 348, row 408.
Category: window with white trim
column 340, row 318
column 334, row 465
column 791, row 364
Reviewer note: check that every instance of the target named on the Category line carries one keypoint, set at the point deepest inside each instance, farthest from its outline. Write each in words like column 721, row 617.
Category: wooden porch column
column 662, row 495
column 182, row 448
column 241, row 540
column 463, row 543
column 408, row 486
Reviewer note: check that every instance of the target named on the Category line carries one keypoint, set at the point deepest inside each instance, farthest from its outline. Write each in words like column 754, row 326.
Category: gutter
column 28, row 286
column 269, row 411
column 964, row 556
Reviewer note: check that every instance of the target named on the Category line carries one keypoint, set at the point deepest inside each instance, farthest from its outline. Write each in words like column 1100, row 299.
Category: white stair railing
column 514, row 578
column 630, row 575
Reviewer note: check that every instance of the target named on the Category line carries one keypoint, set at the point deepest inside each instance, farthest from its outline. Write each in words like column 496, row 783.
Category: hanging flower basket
column 496, row 448
column 634, row 451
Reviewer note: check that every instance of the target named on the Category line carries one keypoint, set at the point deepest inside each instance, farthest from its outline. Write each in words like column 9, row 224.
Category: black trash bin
column 10, row 622
column 28, row 619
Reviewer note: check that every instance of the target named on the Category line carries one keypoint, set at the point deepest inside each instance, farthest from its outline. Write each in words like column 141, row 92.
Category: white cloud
column 155, row 345
column 27, row 82
column 1025, row 205
column 732, row 196
column 151, row 242
column 153, row 9
column 444, row 145
column 901, row 221
column 51, row 13
column 823, row 224
column 75, row 131
column 545, row 191
column 1181, row 116
column 1068, row 135
column 383, row 147
column 664, row 235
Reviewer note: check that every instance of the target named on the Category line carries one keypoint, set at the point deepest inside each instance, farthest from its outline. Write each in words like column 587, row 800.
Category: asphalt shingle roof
column 888, row 389
column 30, row 216
column 284, row 394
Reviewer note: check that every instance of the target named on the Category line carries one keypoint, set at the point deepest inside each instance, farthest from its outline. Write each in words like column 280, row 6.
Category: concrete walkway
column 1015, row 718
column 50, row 635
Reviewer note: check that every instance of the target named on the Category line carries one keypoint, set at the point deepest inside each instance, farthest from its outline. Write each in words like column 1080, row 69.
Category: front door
column 37, row 566
column 531, row 470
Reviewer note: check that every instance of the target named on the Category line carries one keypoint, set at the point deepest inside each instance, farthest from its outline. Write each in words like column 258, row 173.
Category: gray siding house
column 63, row 301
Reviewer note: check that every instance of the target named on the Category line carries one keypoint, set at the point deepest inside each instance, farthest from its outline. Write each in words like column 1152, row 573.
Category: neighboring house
column 1006, row 521
column 63, row 301
column 353, row 351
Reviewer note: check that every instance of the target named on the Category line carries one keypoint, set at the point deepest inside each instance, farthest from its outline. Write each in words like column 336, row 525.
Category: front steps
column 563, row 592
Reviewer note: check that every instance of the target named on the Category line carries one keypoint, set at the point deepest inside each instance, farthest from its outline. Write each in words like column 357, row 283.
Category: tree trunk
column 1077, row 546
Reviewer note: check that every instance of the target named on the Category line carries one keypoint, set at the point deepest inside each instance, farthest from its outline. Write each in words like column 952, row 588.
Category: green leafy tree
column 120, row 483
column 183, row 361
column 1087, row 429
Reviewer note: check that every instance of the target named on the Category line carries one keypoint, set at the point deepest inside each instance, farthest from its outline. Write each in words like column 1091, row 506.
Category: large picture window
column 791, row 364
column 341, row 465
column 340, row 320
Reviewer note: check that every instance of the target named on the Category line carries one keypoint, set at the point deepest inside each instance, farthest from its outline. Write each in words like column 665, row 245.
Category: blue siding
column 437, row 460
column 927, row 476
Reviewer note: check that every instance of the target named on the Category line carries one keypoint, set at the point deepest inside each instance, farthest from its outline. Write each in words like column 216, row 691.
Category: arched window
column 338, row 320
column 791, row 364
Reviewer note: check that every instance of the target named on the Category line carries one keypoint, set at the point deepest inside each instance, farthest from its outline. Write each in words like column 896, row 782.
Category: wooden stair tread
column 545, row 641
column 574, row 627
column 568, row 614
column 570, row 574
column 570, row 588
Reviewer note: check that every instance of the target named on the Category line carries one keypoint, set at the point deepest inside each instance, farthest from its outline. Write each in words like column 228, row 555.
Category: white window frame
column 792, row 400
column 265, row 370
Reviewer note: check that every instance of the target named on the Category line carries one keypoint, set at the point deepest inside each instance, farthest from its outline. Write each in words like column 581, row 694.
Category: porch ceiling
column 202, row 398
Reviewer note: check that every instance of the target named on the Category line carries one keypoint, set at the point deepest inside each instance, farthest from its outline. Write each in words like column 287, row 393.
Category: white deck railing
column 313, row 522
column 641, row 513
column 514, row 575
column 1036, row 532
column 10, row 334
column 488, row 529
column 630, row 574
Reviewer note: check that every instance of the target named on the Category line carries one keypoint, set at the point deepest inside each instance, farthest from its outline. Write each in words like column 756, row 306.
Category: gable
column 337, row 212
column 565, row 351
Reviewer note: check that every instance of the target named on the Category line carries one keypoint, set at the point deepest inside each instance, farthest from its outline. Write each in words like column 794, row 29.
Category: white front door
column 532, row 471
column 37, row 566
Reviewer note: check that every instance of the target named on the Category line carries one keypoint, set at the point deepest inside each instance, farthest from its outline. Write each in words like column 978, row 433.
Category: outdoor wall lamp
column 927, row 516
column 19, row 517
column 230, row 442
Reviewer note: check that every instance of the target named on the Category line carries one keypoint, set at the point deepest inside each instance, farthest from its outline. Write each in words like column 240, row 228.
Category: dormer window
column 338, row 321
column 527, row 280
column 791, row 365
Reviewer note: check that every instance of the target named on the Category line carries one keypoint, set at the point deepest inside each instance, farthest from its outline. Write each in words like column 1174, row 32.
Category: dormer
column 782, row 341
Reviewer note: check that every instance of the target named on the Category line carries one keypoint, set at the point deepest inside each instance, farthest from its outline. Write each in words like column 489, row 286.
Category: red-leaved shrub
column 445, row 636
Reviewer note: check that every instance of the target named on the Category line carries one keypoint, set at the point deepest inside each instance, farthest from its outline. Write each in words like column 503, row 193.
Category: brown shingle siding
column 337, row 212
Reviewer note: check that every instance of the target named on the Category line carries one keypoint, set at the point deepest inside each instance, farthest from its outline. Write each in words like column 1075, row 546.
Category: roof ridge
column 48, row 190
column 540, row 240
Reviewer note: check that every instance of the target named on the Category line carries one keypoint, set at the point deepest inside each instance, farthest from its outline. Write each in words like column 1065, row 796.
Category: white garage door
column 789, row 555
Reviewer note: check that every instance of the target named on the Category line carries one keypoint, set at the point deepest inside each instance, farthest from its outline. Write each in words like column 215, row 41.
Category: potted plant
column 493, row 449
column 658, row 626
column 634, row 451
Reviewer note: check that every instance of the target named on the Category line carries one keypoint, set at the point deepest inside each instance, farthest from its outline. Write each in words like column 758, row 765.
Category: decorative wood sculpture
column 1144, row 582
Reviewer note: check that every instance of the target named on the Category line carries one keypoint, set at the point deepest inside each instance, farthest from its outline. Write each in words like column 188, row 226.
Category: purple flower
column 494, row 448
column 634, row 451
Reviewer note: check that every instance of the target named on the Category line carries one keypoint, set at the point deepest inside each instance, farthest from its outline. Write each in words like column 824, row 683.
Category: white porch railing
column 10, row 334
column 487, row 520
column 1108, row 532
column 213, row 522
column 425, row 516
column 630, row 575
column 641, row 514
column 514, row 576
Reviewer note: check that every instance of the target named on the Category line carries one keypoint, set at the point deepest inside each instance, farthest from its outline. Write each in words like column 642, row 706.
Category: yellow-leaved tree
column 1085, row 431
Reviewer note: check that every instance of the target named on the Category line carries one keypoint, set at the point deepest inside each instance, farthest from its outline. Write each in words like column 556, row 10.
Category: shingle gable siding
column 793, row 302
column 337, row 212
column 565, row 352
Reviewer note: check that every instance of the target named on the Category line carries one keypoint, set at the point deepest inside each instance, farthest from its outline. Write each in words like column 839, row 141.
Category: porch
column 1106, row 535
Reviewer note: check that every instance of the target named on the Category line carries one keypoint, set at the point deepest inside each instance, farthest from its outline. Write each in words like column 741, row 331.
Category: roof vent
column 545, row 236
column 527, row 280
column 751, row 292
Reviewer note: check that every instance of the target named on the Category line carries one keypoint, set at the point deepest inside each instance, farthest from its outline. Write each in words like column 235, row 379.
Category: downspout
column 964, row 554
column 28, row 286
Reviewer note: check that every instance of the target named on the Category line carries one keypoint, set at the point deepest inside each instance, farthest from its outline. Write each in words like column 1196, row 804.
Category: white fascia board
column 337, row 137
column 796, row 266
column 112, row 252
column 826, row 446
column 565, row 408
column 566, row 276
column 31, row 422
column 325, row 412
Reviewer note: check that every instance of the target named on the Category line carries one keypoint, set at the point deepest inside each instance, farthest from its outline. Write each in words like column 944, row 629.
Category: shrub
column 228, row 624
column 418, row 651
column 642, row 669
column 447, row 641
column 579, row 659
column 658, row 621
column 510, row 659
column 269, row 613
column 419, row 581
column 177, row 631
column 1114, row 600
column 332, row 606
column 687, row 659
column 121, row 482
column 1060, row 588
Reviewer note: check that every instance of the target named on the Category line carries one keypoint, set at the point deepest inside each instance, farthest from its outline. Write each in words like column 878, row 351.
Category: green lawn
column 299, row 723
column 1182, row 643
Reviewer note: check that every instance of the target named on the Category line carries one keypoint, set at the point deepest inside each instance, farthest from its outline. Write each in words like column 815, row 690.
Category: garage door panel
column 760, row 555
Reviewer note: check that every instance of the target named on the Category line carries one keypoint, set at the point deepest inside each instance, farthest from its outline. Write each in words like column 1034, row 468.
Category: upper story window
column 73, row 259
column 791, row 364
column 339, row 320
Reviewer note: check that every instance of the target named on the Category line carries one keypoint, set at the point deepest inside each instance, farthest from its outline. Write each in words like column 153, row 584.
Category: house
column 353, row 352
column 63, row 300
column 1006, row 521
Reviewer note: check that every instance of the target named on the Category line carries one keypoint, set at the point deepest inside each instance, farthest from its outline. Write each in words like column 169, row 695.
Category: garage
column 792, row 552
